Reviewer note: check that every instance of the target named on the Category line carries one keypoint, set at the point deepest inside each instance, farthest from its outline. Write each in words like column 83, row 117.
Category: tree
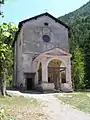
column 87, row 60
column 78, row 68
column 1, row 2
column 79, row 22
column 3, row 57
column 80, row 50
column 7, row 33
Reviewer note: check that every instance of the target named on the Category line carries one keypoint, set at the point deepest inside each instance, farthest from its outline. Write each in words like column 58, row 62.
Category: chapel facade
column 41, row 55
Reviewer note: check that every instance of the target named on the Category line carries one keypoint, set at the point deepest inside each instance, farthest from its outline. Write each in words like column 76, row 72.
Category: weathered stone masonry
column 42, row 58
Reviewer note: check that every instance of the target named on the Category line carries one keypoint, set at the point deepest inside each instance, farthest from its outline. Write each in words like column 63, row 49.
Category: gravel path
column 55, row 110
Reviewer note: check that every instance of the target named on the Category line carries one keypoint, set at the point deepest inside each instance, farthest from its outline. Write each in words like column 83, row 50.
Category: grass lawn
column 80, row 100
column 22, row 108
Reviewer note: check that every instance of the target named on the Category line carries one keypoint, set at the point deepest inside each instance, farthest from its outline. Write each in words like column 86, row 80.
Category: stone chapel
column 41, row 54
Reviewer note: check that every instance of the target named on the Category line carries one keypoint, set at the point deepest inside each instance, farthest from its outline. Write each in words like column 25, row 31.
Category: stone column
column 44, row 72
column 68, row 76
column 68, row 71
column 45, row 86
column 60, row 77
column 68, row 85
column 35, row 69
column 36, row 78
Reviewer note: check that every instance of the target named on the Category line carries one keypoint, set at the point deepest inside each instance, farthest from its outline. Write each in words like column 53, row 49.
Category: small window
column 46, row 24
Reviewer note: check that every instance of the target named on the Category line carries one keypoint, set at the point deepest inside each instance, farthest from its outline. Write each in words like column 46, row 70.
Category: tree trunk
column 3, row 84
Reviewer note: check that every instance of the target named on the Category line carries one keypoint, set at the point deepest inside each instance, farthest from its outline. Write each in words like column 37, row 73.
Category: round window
column 46, row 38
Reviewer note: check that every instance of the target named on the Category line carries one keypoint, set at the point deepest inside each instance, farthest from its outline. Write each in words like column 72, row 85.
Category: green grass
column 22, row 108
column 80, row 100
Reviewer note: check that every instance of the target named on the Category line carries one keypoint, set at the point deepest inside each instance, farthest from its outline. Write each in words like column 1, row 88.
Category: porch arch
column 56, row 72
column 60, row 59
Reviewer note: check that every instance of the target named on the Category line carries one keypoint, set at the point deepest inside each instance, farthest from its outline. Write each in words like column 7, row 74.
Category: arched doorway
column 56, row 73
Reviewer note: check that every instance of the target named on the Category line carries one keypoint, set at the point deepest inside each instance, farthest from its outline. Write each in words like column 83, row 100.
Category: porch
column 53, row 70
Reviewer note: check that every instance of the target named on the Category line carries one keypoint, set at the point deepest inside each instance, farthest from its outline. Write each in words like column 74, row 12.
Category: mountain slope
column 81, row 12
column 79, row 42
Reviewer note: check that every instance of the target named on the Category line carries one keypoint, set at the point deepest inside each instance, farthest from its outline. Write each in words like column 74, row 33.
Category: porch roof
column 54, row 52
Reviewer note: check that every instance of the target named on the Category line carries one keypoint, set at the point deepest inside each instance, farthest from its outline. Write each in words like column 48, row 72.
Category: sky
column 18, row 10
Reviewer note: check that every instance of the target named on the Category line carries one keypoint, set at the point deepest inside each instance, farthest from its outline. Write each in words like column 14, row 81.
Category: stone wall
column 35, row 29
column 30, row 43
column 33, row 43
column 18, row 60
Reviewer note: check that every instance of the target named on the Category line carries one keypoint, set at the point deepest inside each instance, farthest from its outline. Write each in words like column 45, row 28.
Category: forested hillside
column 79, row 40
column 81, row 12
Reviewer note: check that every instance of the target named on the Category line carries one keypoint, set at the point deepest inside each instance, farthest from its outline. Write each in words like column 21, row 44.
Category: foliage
column 2, row 2
column 78, row 69
column 80, row 36
column 87, row 60
column 79, row 22
column 7, row 33
column 81, row 12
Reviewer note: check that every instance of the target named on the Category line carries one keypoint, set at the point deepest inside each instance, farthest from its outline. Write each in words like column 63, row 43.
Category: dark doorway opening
column 29, row 83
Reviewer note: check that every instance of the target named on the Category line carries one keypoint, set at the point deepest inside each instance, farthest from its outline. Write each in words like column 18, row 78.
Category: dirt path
column 55, row 110
column 58, row 111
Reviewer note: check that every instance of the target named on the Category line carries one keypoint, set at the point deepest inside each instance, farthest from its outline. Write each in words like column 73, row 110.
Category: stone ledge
column 45, row 86
column 66, row 87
